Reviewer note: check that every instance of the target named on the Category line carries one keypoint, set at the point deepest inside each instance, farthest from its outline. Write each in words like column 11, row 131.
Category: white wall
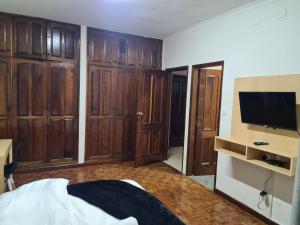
column 262, row 38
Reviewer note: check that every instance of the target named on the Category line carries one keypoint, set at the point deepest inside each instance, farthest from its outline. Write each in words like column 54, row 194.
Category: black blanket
column 122, row 200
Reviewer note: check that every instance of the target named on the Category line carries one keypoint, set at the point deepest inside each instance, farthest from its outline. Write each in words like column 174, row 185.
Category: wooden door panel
column 99, row 113
column 147, row 99
column 4, row 128
column 125, row 110
column 207, row 120
column 70, row 41
column 55, row 41
column 30, row 133
column 158, row 95
column 38, row 39
column 22, row 38
column 95, row 81
column 211, row 103
column 119, row 135
column 95, row 47
column 54, row 140
column 61, row 140
column 106, row 92
column 38, row 90
column 105, row 130
column 153, row 104
column 29, row 37
column 4, row 86
column 23, row 73
column 5, row 34
column 62, row 129
column 131, row 52
column 70, row 138
column 63, row 42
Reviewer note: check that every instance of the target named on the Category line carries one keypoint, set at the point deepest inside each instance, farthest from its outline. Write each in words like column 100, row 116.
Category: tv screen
column 273, row 109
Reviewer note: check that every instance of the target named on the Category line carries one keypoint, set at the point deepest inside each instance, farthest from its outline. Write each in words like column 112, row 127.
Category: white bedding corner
column 47, row 202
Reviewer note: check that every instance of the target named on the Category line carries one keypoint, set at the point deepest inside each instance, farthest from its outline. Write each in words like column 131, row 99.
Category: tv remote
column 260, row 143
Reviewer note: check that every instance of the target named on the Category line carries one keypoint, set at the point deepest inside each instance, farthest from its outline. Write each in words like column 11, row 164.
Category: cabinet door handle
column 139, row 113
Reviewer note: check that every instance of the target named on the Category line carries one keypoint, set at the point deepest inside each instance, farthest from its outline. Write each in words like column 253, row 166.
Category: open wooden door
column 152, row 117
column 207, row 121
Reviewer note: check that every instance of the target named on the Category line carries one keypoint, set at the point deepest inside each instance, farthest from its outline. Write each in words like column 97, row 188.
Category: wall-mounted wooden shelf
column 254, row 154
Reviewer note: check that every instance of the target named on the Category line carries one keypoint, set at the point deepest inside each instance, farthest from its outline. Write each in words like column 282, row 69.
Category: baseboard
column 245, row 208
column 70, row 165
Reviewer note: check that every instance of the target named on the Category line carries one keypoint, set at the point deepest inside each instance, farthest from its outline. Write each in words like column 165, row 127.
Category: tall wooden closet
column 115, row 61
column 39, row 75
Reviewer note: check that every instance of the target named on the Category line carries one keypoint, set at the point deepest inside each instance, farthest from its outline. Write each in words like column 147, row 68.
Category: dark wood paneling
column 29, row 37
column 63, row 42
column 5, row 34
column 116, row 49
column 5, row 105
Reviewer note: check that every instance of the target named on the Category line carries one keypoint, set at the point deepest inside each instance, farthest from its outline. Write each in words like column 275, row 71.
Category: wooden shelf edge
column 231, row 153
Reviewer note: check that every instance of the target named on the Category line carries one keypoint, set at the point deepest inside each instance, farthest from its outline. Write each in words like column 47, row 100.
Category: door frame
column 192, row 115
column 171, row 70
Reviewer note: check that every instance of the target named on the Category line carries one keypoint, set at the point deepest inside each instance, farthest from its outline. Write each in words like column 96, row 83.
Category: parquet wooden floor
column 193, row 203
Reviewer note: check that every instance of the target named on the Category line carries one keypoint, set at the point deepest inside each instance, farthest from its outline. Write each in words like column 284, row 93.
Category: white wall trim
column 82, row 93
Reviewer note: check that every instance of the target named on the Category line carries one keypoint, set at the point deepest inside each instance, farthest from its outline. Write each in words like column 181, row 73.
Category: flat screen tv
column 272, row 109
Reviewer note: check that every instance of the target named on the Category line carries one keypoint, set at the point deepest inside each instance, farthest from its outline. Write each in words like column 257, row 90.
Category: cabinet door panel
column 62, row 129
column 28, row 111
column 100, row 113
column 38, row 39
column 62, row 42
column 22, row 38
column 5, row 35
column 29, row 37
column 4, row 86
column 23, row 73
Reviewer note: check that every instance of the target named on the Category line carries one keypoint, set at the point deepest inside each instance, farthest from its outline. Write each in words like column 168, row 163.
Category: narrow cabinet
column 5, row 107
column 29, row 37
column 62, row 112
column 29, row 111
column 99, row 128
column 63, row 42
column 5, row 34
column 124, row 92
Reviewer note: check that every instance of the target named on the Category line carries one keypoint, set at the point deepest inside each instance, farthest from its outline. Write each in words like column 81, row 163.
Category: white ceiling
column 152, row 18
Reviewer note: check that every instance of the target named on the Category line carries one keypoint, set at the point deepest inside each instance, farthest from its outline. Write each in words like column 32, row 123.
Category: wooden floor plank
column 193, row 203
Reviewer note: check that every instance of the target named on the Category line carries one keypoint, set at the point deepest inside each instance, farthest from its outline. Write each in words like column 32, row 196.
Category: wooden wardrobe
column 115, row 61
column 39, row 85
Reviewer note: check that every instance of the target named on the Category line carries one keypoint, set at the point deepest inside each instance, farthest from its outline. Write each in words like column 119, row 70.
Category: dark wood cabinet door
column 152, row 117
column 5, row 34
column 143, row 53
column 63, row 42
column 178, row 103
column 62, row 114
column 124, row 83
column 29, row 111
column 131, row 52
column 5, row 127
column 99, row 130
column 29, row 37
column 155, row 54
column 207, row 120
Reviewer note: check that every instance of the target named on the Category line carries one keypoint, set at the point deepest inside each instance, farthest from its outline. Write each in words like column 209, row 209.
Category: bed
column 103, row 202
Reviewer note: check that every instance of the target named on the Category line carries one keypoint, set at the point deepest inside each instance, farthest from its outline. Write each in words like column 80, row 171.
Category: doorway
column 177, row 117
column 205, row 107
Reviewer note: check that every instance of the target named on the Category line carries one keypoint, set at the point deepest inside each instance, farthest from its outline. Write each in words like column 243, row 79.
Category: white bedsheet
column 47, row 202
